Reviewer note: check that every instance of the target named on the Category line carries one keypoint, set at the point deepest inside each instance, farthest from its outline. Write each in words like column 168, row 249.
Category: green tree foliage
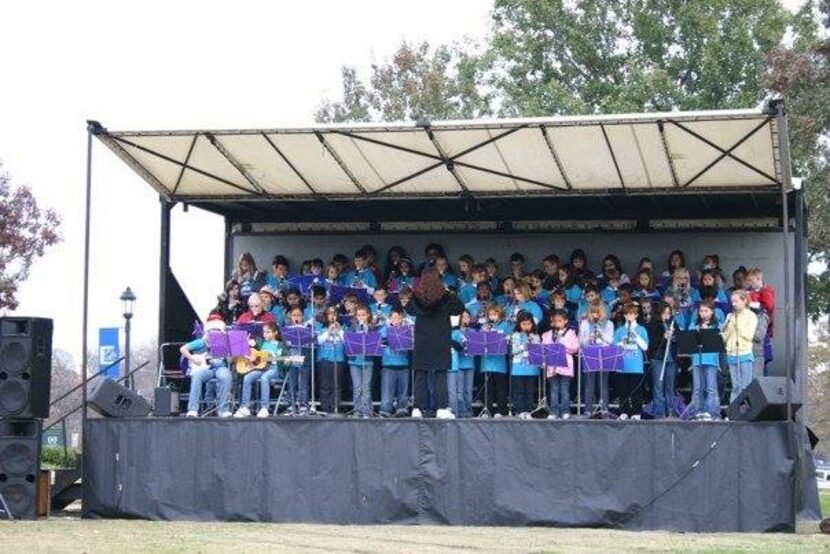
column 800, row 72
column 561, row 57
column 419, row 82
column 818, row 385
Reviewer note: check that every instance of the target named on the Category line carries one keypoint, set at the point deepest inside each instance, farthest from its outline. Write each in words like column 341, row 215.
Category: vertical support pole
column 91, row 129
column 800, row 290
column 164, row 267
column 128, row 377
column 786, row 182
column 228, row 250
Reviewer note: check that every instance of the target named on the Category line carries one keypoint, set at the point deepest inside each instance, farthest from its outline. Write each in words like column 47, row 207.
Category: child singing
column 299, row 374
column 559, row 377
column 524, row 375
column 331, row 359
column 360, row 367
column 634, row 340
column 596, row 330
column 705, row 402
column 494, row 366
column 738, row 333
column 462, row 370
column 394, row 377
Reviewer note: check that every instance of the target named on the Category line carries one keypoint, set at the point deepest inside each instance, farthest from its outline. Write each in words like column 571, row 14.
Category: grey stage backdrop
column 764, row 249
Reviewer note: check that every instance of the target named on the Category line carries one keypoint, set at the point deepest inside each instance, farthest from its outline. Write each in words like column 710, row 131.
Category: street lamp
column 127, row 299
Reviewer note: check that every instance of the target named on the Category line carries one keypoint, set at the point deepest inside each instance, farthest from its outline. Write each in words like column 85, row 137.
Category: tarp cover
column 734, row 150
column 635, row 475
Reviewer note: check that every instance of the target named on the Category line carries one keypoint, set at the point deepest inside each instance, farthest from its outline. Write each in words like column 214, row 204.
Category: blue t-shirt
column 274, row 347
column 365, row 278
column 467, row 291
column 460, row 360
column 391, row 358
column 199, row 347
column 521, row 366
column 497, row 364
column 330, row 345
column 633, row 359
column 710, row 358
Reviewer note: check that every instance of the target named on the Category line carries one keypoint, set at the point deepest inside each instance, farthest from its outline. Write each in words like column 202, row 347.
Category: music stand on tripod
column 697, row 342
column 486, row 343
column 402, row 339
column 602, row 359
column 544, row 355
column 366, row 344
column 303, row 337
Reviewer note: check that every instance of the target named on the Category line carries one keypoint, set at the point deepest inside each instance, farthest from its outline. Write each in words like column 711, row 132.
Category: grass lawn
column 825, row 503
column 75, row 535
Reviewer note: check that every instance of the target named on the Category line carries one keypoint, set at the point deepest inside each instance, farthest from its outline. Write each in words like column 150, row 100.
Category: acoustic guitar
column 260, row 361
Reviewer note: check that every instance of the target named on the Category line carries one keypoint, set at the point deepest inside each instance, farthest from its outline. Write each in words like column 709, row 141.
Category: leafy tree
column 25, row 232
column 561, row 57
column 800, row 72
column 419, row 82
column 818, row 384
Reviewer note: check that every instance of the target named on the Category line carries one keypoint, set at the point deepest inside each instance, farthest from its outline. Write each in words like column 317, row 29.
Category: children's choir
column 559, row 303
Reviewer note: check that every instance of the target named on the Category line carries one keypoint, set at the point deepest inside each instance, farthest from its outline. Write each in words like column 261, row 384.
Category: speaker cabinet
column 112, row 399
column 25, row 367
column 765, row 399
column 19, row 467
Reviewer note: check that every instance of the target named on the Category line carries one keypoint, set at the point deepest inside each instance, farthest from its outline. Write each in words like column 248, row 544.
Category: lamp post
column 127, row 299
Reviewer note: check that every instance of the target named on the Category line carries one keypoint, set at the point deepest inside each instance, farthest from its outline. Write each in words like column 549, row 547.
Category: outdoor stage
column 683, row 476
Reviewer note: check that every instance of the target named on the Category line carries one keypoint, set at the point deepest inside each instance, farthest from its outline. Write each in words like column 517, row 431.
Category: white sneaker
column 444, row 413
column 553, row 416
column 243, row 411
column 566, row 415
column 524, row 415
column 226, row 414
column 263, row 412
column 416, row 413
column 498, row 416
column 635, row 417
column 623, row 417
column 192, row 413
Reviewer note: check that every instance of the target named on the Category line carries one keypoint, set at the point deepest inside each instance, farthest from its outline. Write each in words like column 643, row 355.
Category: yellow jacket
column 738, row 332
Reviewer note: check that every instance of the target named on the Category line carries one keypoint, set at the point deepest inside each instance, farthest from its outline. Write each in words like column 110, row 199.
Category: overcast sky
column 161, row 64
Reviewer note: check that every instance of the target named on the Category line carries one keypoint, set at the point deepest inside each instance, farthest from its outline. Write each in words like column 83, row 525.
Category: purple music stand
column 337, row 292
column 298, row 336
column 486, row 343
column 602, row 358
column 345, row 320
column 547, row 355
column 302, row 283
column 230, row 344
column 400, row 339
column 363, row 344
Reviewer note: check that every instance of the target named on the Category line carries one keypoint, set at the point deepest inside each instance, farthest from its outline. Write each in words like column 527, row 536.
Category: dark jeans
column 559, row 395
column 329, row 376
column 524, row 397
column 394, row 389
column 662, row 392
column 497, row 388
column 631, row 393
column 440, row 397
column 591, row 379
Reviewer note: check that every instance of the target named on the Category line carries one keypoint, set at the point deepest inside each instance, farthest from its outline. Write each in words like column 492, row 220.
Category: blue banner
column 109, row 351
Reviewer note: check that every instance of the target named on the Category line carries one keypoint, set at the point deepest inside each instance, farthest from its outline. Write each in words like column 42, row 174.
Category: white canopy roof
column 637, row 153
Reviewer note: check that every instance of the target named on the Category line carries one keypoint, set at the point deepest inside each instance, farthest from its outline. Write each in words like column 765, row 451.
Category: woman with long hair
column 433, row 305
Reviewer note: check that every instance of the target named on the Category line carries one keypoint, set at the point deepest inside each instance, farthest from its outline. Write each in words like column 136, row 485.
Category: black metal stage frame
column 679, row 476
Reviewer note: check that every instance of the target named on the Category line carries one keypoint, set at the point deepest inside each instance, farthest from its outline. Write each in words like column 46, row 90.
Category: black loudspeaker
column 765, row 399
column 165, row 402
column 19, row 467
column 112, row 399
column 25, row 367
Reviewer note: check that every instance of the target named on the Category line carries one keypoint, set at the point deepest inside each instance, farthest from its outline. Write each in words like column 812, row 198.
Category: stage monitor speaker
column 765, row 399
column 25, row 367
column 165, row 402
column 112, row 399
column 19, row 467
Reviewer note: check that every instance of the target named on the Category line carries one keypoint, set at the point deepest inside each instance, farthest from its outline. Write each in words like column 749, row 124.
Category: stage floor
column 684, row 476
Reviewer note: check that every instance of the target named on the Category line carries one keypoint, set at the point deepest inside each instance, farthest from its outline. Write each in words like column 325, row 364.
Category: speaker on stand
column 19, row 468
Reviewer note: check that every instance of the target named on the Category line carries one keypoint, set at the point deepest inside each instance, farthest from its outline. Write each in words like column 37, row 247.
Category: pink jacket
column 571, row 343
